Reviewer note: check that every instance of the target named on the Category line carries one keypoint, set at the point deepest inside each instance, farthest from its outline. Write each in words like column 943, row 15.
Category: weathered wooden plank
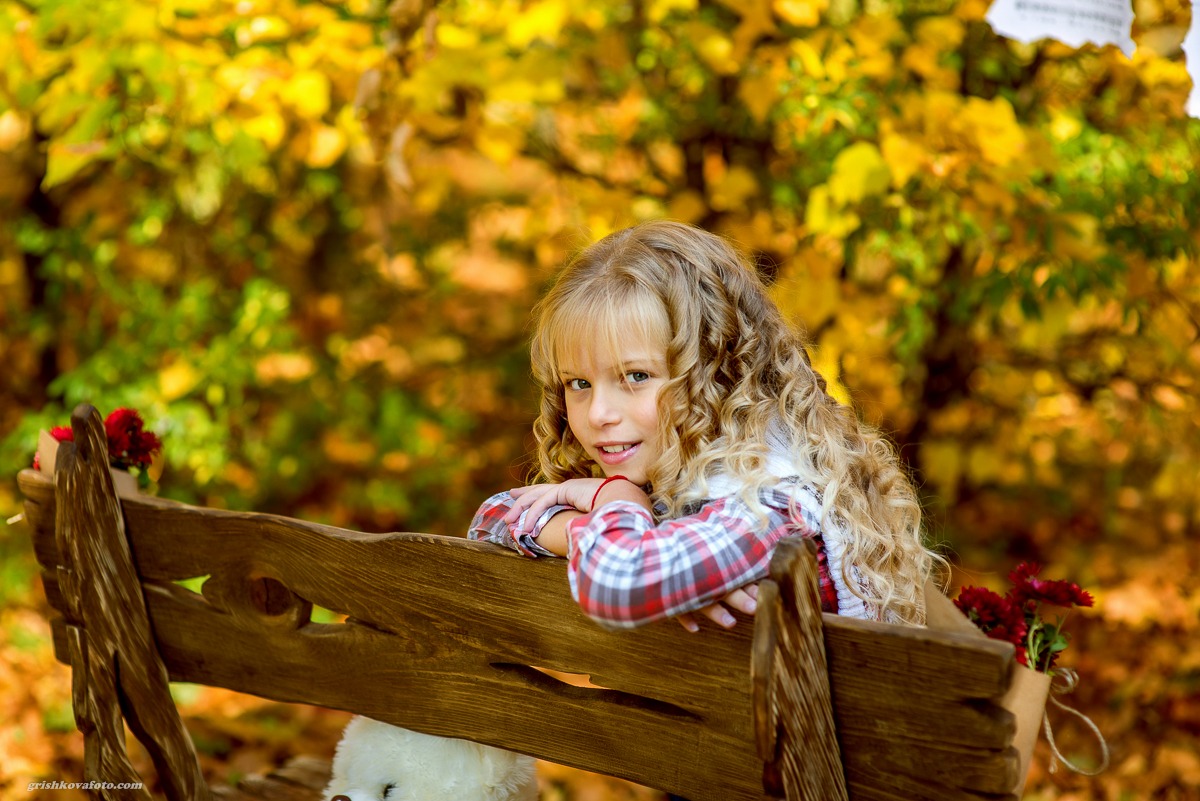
column 38, row 491
column 870, row 781
column 433, row 687
column 425, row 587
column 809, row 760
column 939, row 663
column 306, row 771
column 115, row 667
column 945, row 766
column 301, row 779
column 862, row 707
column 390, row 573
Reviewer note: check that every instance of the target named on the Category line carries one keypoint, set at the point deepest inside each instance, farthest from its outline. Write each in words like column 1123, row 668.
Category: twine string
column 1069, row 680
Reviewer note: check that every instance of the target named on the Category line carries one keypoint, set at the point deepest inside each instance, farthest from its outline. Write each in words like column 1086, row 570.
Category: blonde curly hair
column 736, row 369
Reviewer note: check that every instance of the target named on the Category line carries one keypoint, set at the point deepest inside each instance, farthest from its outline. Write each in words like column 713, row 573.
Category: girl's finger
column 518, row 505
column 742, row 601
column 720, row 615
column 538, row 506
column 688, row 622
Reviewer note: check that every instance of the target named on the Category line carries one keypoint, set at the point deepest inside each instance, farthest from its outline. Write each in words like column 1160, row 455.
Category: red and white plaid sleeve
column 626, row 571
column 489, row 526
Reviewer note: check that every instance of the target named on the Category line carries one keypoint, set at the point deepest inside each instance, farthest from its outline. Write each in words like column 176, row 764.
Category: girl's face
column 612, row 407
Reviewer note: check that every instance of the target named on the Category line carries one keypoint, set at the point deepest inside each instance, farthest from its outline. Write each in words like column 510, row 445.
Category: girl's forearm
column 553, row 536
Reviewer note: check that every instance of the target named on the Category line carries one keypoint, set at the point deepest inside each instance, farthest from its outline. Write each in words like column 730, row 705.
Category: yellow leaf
column 542, row 21
column 809, row 58
column 346, row 451
column 456, row 38
column 714, row 47
column 995, row 129
column 487, row 271
column 289, row 367
column 859, row 171
column 822, row 216
column 759, row 93
column 800, row 12
column 177, row 380
column 500, row 143
column 1079, row 237
column 990, row 194
column 325, row 147
column 1064, row 126
column 904, row 157
column 687, row 206
column 942, row 32
column 942, row 463
column 308, row 93
column 811, row 299
column 262, row 29
column 983, row 464
column 733, row 190
column 267, row 127
column 63, row 161
column 825, row 361
column 657, row 10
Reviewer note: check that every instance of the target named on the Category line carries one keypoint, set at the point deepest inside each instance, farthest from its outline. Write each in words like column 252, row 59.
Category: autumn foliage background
column 303, row 239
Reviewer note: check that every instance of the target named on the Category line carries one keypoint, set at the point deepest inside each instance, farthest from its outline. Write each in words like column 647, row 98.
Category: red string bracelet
column 604, row 484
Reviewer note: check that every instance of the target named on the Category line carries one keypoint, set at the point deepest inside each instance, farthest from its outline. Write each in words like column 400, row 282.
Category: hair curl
column 735, row 370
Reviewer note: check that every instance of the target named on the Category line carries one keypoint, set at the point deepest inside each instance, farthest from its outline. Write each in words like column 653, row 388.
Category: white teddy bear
column 379, row 762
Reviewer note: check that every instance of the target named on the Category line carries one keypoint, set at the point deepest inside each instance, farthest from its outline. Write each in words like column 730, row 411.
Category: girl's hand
column 537, row 498
column 743, row 600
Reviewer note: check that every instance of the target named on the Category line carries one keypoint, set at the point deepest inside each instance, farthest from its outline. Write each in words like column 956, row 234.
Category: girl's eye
column 637, row 376
column 577, row 384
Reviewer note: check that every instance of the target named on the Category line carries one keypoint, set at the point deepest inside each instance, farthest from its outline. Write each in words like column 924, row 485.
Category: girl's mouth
column 616, row 454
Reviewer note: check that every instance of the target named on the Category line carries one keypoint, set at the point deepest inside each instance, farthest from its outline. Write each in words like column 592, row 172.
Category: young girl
column 683, row 432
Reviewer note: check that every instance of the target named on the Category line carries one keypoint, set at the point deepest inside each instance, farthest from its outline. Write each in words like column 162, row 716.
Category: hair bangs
column 601, row 324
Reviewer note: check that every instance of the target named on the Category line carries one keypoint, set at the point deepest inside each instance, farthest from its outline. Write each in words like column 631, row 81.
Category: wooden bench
column 453, row 637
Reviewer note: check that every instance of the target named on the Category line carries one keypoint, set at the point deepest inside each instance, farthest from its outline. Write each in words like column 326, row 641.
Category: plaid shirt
column 625, row 570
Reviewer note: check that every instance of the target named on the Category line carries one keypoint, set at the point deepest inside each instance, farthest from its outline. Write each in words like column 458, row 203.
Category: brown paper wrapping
column 1027, row 691
column 124, row 482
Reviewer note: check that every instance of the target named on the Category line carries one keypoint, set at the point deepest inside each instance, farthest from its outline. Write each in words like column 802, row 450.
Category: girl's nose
column 603, row 410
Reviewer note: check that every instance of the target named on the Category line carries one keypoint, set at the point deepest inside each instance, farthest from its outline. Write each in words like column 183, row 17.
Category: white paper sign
column 1191, row 51
column 1072, row 22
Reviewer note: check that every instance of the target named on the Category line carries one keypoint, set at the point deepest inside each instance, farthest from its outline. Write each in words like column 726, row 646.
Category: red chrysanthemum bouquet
column 1016, row 616
column 129, row 444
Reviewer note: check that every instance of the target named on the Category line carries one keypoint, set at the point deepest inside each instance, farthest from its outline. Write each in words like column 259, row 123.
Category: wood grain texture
column 301, row 779
column 808, row 755
column 443, row 635
column 115, row 666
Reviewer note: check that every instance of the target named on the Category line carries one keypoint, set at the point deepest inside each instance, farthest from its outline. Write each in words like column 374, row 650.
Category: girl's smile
column 612, row 409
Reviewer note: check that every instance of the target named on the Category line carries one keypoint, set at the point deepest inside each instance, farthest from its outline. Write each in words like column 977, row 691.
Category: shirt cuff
column 527, row 543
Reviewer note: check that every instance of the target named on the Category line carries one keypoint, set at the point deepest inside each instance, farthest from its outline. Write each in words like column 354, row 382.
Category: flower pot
column 123, row 481
column 1026, row 698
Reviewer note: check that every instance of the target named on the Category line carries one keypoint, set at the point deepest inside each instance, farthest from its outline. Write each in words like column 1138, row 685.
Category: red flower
column 1016, row 616
column 60, row 433
column 121, row 427
column 995, row 615
column 128, row 444
column 1028, row 590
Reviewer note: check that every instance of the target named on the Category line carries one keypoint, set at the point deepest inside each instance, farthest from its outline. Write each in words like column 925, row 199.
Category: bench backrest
column 453, row 637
